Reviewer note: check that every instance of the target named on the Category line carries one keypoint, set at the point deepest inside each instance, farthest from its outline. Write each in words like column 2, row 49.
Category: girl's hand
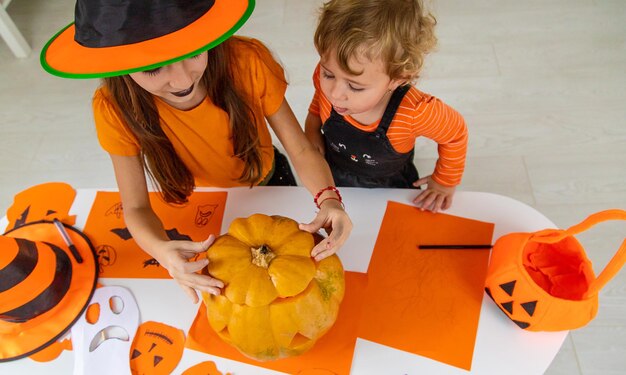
column 176, row 259
column 334, row 219
column 435, row 197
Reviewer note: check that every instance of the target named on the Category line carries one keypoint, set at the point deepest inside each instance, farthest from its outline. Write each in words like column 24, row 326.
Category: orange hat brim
column 63, row 56
column 19, row 340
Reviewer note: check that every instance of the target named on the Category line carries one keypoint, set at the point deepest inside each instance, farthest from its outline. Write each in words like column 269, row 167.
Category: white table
column 501, row 347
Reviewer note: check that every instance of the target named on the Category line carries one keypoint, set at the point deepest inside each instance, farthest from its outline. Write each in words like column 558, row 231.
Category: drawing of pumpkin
column 157, row 348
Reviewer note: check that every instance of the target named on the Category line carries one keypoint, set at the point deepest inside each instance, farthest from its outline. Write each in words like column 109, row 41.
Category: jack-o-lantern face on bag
column 543, row 281
column 519, row 312
column 157, row 349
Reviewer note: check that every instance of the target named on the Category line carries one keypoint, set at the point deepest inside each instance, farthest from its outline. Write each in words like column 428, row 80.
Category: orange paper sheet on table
column 47, row 201
column 204, row 368
column 426, row 302
column 332, row 353
column 119, row 255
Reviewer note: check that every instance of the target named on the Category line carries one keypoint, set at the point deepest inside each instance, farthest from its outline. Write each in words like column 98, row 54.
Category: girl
column 365, row 114
column 187, row 105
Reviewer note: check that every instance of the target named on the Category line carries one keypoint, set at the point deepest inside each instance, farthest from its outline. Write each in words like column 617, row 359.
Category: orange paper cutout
column 156, row 349
column 204, row 368
column 119, row 255
column 332, row 353
column 315, row 371
column 47, row 201
column 426, row 302
column 52, row 351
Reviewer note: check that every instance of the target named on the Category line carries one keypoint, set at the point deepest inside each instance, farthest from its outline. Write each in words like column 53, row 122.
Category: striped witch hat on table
column 44, row 287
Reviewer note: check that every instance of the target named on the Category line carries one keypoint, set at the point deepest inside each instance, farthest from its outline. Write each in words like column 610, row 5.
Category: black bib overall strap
column 367, row 159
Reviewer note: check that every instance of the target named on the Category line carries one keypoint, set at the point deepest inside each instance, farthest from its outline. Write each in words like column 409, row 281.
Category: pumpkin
column 277, row 301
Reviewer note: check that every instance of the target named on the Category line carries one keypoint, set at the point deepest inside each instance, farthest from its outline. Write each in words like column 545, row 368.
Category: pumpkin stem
column 262, row 256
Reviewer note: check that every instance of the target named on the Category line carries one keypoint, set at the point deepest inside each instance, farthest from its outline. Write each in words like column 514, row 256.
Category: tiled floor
column 542, row 85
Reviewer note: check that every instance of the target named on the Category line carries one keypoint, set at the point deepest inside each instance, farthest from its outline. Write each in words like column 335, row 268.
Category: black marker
column 452, row 247
column 68, row 240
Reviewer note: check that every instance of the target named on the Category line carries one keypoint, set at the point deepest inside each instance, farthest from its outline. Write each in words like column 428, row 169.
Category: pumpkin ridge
column 291, row 274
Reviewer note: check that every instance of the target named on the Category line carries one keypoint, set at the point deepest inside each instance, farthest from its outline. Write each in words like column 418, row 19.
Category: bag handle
column 614, row 265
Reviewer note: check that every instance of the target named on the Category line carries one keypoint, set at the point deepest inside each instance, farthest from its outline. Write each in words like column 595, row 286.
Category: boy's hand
column 435, row 197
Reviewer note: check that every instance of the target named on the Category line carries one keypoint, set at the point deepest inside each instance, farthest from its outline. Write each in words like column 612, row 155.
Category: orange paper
column 156, row 349
column 47, row 201
column 52, row 351
column 119, row 255
column 332, row 353
column 204, row 368
column 426, row 302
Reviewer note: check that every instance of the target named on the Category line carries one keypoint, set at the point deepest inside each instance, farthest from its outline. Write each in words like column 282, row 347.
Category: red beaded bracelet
column 333, row 198
column 327, row 188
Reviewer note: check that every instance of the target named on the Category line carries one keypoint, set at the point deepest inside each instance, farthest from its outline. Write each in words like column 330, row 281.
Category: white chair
column 11, row 34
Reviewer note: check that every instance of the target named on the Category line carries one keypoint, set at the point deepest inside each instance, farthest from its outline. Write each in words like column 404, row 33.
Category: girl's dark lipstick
column 183, row 93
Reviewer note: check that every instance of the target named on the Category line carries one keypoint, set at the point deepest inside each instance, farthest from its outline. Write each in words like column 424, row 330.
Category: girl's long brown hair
column 164, row 166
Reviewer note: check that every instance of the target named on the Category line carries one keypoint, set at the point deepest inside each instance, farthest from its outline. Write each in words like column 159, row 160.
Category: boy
column 366, row 114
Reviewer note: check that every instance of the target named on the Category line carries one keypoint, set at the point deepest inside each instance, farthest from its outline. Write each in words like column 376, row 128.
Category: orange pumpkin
column 277, row 301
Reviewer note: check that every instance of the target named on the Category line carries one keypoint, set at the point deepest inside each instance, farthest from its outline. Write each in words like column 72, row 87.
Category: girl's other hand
column 176, row 259
column 334, row 219
column 435, row 196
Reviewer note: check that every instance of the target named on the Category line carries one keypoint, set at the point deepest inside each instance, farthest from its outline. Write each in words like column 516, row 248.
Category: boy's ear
column 396, row 82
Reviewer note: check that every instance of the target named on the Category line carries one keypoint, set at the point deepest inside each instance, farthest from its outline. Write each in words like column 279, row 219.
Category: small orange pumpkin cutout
column 543, row 281
column 157, row 349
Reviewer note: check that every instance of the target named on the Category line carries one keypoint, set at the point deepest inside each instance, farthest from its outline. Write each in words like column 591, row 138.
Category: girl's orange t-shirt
column 202, row 135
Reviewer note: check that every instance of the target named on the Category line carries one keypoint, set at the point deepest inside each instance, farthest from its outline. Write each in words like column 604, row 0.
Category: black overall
column 367, row 159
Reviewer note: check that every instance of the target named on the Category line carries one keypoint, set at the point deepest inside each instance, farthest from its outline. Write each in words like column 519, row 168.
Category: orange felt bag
column 543, row 281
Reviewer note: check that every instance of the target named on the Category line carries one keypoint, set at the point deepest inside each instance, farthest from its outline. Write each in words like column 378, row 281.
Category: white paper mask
column 102, row 347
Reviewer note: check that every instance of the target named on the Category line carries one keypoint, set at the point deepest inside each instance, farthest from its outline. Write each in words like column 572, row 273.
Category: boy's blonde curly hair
column 400, row 32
